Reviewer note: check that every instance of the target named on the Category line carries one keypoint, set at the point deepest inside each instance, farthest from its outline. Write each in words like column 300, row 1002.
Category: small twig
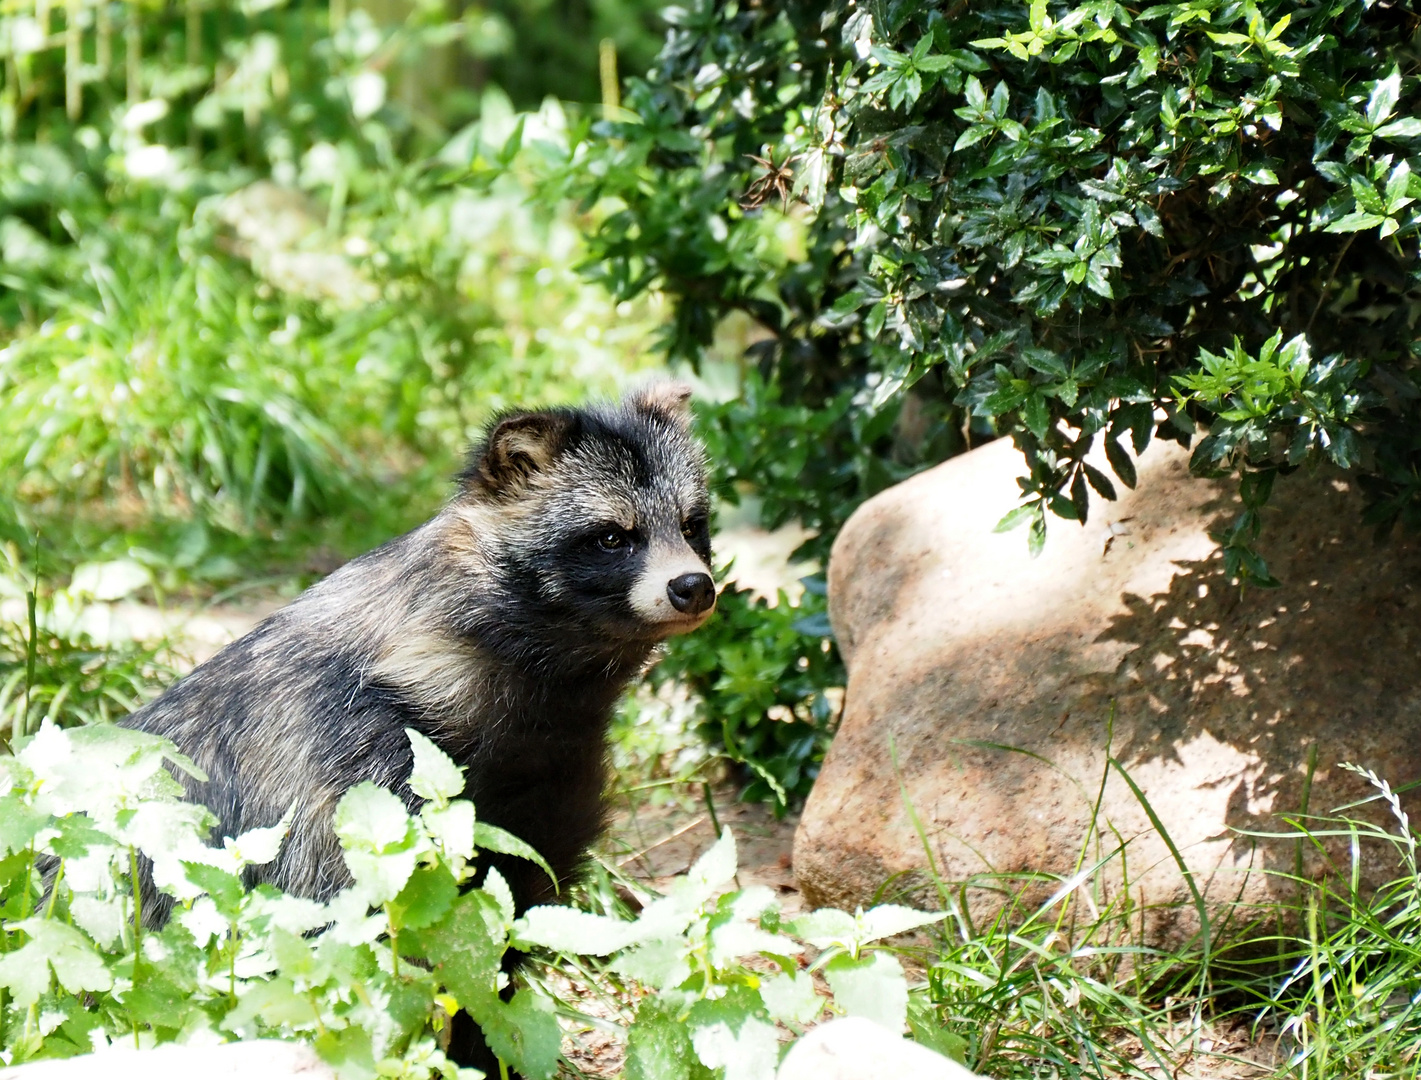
column 664, row 840
column 1332, row 274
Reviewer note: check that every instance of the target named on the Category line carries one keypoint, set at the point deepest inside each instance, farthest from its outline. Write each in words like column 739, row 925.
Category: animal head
column 595, row 520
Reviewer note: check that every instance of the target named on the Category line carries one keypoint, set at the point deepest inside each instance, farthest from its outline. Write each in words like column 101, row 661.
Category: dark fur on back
column 505, row 629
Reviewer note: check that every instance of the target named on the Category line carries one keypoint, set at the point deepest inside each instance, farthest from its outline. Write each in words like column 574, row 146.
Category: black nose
column 691, row 593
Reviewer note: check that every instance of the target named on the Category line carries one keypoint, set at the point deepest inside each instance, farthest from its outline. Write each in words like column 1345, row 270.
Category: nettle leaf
column 872, row 986
column 77, row 965
column 158, row 1001
column 380, row 877
column 662, row 963
column 434, row 775
column 77, row 837
column 659, row 1042
column 567, row 930
column 495, row 885
column 889, row 920
column 377, row 840
column 348, row 1049
column 467, row 945
column 751, row 1053
column 20, row 823
column 372, row 819
column 824, row 927
column 714, row 868
column 257, row 847
column 827, row 927
column 792, row 997
column 226, row 889
column 739, row 937
column 102, row 920
column 928, row 1030
column 731, row 1033
column 523, row 1032
column 492, row 838
column 451, row 827
column 276, row 1002
column 425, row 898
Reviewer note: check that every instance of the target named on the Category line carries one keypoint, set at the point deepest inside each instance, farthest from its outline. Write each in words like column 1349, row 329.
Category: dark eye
column 612, row 540
column 693, row 527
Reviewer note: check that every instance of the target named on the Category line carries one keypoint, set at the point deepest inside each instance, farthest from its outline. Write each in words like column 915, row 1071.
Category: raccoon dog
column 505, row 629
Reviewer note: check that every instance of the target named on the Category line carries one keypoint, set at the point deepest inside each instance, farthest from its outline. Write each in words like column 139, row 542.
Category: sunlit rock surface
column 989, row 690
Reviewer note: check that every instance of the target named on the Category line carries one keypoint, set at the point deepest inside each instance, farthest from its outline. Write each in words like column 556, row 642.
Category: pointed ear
column 516, row 450
column 667, row 400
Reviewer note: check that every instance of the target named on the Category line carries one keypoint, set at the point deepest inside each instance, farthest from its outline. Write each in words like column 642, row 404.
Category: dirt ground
column 653, row 845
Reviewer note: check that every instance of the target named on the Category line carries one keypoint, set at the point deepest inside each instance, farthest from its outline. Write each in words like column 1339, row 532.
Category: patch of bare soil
column 651, row 845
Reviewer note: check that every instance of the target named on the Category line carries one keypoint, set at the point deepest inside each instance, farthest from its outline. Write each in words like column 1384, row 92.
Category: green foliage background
column 1081, row 225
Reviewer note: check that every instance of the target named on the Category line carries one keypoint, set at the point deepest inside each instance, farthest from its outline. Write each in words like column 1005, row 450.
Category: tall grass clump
column 1342, row 987
column 280, row 276
column 58, row 663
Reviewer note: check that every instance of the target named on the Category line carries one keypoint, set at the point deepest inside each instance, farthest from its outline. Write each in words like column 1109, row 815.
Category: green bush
column 1082, row 225
column 759, row 676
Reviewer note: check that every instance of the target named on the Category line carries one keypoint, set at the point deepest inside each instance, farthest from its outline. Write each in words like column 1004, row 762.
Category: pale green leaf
column 76, row 964
column 492, row 838
column 451, row 827
column 372, row 819
column 523, row 1032
column 567, row 930
column 888, row 920
column 380, row 877
column 824, row 927
column 872, row 986
column 748, row 1054
column 257, row 847
column 662, row 963
column 495, row 885
column 792, row 997
column 434, row 775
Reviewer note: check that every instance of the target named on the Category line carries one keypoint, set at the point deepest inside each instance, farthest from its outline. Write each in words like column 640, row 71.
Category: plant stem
column 710, row 808
column 232, row 961
column 54, row 890
column 137, row 907
column 21, row 722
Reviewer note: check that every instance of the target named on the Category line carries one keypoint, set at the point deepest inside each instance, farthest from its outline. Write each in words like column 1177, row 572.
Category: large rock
column 1002, row 683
